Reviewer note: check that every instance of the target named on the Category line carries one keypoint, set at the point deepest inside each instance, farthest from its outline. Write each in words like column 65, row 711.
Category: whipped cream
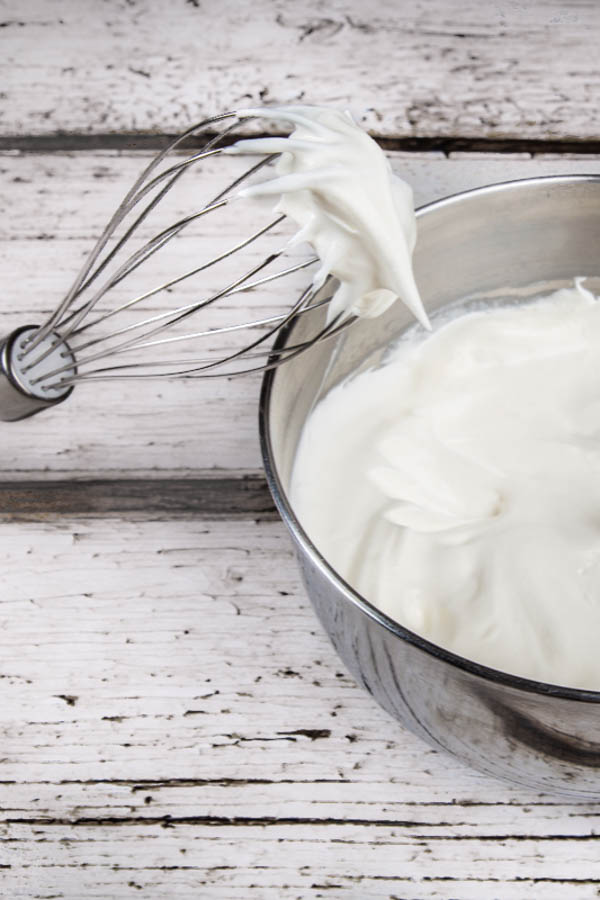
column 337, row 185
column 457, row 486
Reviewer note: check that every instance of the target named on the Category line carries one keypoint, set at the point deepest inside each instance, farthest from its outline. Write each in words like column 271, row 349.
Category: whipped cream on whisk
column 457, row 486
column 337, row 184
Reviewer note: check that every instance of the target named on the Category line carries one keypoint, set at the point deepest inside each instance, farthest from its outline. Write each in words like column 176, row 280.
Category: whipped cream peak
column 336, row 183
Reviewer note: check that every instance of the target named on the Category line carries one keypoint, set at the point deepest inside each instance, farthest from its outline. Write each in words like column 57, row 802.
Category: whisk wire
column 276, row 357
column 122, row 210
column 152, row 246
column 213, row 204
column 142, row 342
column 303, row 304
column 130, row 265
column 169, row 284
column 192, row 307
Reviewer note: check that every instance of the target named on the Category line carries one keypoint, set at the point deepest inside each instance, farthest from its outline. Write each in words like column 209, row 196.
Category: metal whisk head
column 111, row 325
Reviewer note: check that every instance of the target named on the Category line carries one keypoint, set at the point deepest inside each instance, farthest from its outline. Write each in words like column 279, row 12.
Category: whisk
column 78, row 342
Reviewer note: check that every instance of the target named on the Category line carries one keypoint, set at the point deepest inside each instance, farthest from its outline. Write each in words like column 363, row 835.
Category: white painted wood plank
column 362, row 800
column 290, row 862
column 174, row 718
column 54, row 206
column 443, row 68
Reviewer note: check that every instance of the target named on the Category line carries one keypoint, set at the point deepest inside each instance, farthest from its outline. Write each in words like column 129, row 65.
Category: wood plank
column 444, row 68
column 245, row 802
column 291, row 862
column 174, row 718
column 54, row 205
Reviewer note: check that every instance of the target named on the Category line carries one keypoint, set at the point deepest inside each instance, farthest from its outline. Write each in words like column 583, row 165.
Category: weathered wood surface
column 449, row 68
column 54, row 206
column 174, row 720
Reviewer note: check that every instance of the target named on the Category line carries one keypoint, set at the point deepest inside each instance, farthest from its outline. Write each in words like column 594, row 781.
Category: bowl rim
column 284, row 506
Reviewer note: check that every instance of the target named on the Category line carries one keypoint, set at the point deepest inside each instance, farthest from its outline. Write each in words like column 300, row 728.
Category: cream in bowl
column 456, row 485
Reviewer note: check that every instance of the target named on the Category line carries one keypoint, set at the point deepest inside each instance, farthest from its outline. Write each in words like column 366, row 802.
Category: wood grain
column 444, row 68
column 174, row 718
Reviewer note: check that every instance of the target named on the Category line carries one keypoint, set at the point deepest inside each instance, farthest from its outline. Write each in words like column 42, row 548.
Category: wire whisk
column 82, row 340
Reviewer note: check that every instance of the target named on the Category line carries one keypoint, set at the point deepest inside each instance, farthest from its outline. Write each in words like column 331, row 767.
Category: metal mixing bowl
column 541, row 231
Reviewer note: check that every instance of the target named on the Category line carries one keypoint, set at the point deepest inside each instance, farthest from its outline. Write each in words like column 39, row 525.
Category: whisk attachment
column 26, row 390
column 79, row 341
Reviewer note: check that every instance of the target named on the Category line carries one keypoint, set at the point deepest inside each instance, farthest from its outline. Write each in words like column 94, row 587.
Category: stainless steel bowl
column 515, row 234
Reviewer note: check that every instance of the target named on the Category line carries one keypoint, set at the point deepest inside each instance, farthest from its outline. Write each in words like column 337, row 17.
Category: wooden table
column 174, row 722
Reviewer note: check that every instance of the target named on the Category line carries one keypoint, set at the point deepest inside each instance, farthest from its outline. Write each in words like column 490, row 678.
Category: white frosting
column 457, row 487
column 338, row 186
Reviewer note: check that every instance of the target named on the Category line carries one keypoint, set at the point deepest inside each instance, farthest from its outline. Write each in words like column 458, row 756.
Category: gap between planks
column 245, row 496
column 143, row 141
column 418, row 830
